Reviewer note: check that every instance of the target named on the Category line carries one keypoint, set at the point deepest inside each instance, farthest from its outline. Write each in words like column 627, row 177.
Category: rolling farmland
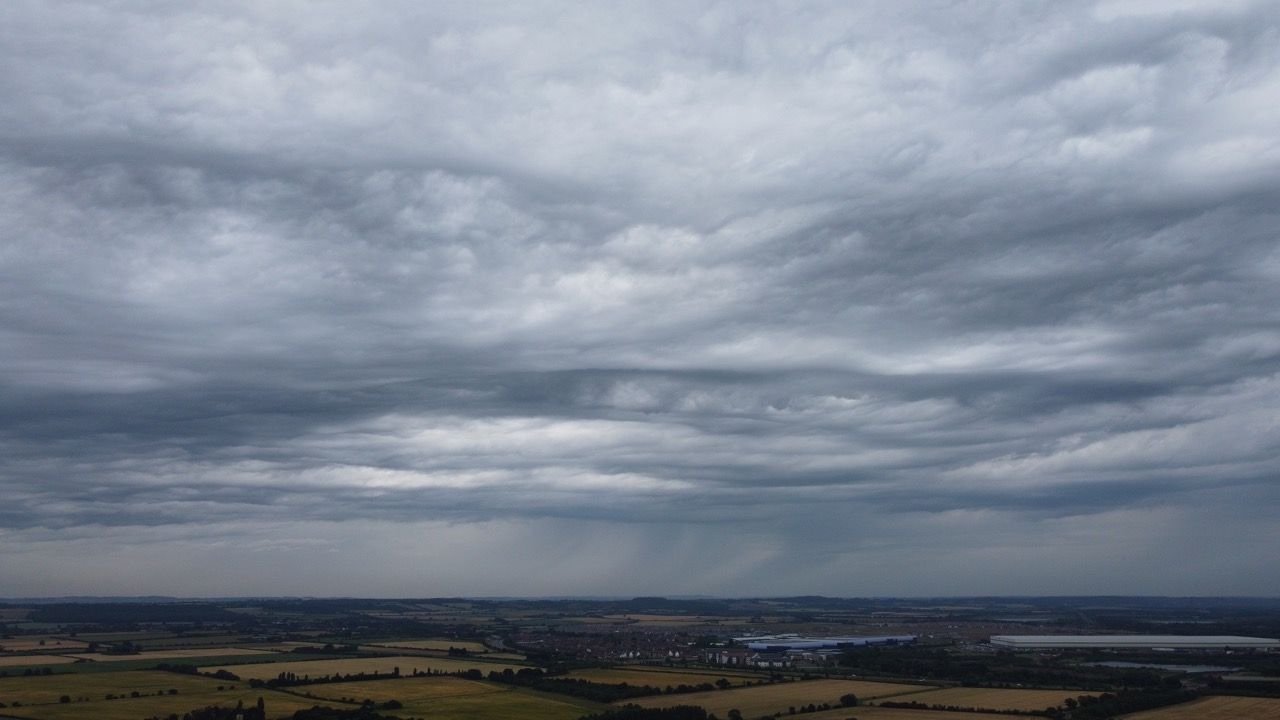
column 174, row 654
column 441, row 645
column 352, row 657
column 352, row 666
column 448, row 698
column 278, row 705
column 44, row 644
column 48, row 688
column 779, row 697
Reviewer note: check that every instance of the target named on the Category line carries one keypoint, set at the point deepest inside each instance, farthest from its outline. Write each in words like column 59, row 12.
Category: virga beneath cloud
column 741, row 298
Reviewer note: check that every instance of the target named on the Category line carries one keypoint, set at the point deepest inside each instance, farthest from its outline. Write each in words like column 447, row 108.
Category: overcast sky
column 664, row 298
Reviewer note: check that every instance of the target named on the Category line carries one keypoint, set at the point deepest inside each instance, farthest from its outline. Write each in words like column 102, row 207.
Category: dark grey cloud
column 708, row 298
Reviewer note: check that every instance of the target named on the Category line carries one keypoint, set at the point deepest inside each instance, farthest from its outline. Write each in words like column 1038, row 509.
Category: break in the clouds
column 725, row 298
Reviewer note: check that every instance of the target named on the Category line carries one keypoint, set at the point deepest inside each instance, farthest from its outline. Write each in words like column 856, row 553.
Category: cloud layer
column 703, row 298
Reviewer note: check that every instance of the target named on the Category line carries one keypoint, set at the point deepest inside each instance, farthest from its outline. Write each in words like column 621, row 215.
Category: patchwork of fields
column 780, row 697
column 278, row 705
column 174, row 654
column 136, row 694
column 449, row 698
column 879, row 713
column 660, row 679
column 408, row 664
column 41, row 644
column 439, row 644
column 48, row 688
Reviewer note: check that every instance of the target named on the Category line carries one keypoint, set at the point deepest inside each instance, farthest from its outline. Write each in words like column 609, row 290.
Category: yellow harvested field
column 659, row 679
column 20, row 660
column 173, row 654
column 353, row 666
column 1215, row 708
column 278, row 705
column 447, row 698
column 38, row 644
column 441, row 645
column 768, row 699
column 878, row 713
column 288, row 646
column 996, row 698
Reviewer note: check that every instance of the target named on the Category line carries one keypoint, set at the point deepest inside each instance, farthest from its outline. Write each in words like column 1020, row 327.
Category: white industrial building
column 1135, row 642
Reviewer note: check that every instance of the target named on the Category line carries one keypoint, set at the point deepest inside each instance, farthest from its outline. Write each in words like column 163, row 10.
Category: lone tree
column 849, row 700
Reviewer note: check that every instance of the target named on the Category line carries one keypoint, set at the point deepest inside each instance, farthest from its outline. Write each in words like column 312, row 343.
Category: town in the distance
column 634, row 659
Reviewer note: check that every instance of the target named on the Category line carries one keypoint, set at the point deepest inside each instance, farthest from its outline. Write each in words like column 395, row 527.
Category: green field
column 353, row 666
column 436, row 644
column 39, row 696
column 138, row 662
column 41, row 644
column 175, row 654
column 448, row 698
column 996, row 698
column 278, row 704
column 48, row 688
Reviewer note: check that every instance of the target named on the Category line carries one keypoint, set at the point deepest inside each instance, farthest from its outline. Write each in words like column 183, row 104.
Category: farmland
column 42, row 644
column 22, row 660
column 779, row 697
column 659, row 678
column 1216, row 708
column 864, row 712
column 996, row 699
column 324, row 646
column 278, row 705
column 48, row 688
column 448, row 698
column 663, row 620
column 173, row 654
column 441, row 645
column 353, row 666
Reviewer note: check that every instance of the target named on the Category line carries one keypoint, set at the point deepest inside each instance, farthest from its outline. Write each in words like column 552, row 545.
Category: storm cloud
column 724, row 298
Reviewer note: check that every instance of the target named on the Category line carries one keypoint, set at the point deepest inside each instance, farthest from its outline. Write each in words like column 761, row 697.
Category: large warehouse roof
column 1133, row 641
